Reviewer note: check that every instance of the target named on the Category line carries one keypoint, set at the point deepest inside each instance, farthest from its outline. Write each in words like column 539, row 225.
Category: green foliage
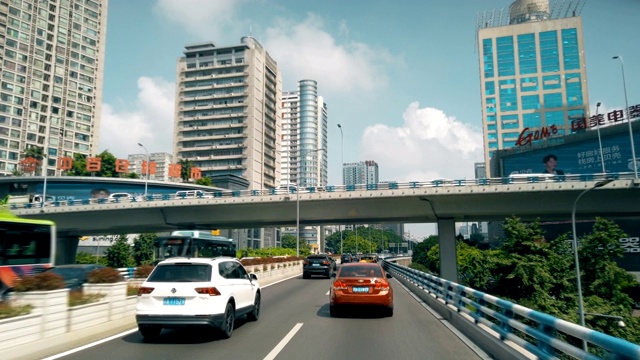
column 288, row 241
column 36, row 152
column 143, row 271
column 206, row 181
column 77, row 298
column 143, row 249
column 8, row 311
column 368, row 238
column 185, row 171
column 107, row 167
column 267, row 252
column 39, row 282
column 131, row 176
column 418, row 267
column 86, row 258
column 119, row 254
column 421, row 249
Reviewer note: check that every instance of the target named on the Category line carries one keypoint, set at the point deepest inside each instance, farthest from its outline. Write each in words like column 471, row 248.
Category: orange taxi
column 360, row 285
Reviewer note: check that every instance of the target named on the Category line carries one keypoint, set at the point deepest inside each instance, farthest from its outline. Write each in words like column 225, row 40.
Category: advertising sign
column 577, row 158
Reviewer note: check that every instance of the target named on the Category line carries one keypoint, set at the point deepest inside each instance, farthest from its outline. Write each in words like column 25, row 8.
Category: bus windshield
column 189, row 246
column 27, row 246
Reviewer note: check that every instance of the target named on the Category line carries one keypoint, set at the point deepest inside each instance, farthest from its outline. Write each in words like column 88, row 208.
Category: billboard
column 581, row 157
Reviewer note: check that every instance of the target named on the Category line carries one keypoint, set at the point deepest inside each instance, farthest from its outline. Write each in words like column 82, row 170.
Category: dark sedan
column 74, row 275
column 346, row 258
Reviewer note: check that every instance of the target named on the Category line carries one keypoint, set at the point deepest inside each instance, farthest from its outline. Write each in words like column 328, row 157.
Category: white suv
column 185, row 292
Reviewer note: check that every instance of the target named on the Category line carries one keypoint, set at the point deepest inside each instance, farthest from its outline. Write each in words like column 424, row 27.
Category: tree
column 107, row 166
column 143, row 249
column 288, row 241
column 185, row 170
column 36, row 152
column 421, row 250
column 206, row 181
column 119, row 253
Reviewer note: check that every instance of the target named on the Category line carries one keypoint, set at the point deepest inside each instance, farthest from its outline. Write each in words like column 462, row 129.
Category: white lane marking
column 276, row 350
column 328, row 292
column 95, row 343
column 279, row 281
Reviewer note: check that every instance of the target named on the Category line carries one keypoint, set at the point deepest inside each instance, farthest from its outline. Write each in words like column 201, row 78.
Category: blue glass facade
column 549, row 57
column 506, row 60
column 527, row 54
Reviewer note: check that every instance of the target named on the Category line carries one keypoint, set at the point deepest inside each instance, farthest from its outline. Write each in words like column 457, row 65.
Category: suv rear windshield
column 181, row 272
column 316, row 257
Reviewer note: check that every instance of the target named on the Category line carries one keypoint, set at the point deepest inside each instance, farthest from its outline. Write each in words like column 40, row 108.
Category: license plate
column 173, row 301
column 357, row 289
column 316, row 264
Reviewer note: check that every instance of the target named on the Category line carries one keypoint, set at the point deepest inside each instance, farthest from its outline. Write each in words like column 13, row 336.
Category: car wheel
column 150, row 333
column 255, row 313
column 389, row 312
column 229, row 320
column 305, row 276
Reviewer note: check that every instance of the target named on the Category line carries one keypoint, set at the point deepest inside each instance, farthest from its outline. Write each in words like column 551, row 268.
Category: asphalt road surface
column 295, row 324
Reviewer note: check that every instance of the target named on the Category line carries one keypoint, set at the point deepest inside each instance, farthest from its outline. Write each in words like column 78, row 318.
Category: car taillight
column 325, row 262
column 382, row 285
column 306, row 262
column 211, row 291
column 144, row 290
column 339, row 285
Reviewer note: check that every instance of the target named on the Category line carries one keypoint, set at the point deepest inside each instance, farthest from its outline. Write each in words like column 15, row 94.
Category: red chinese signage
column 613, row 116
column 29, row 164
column 65, row 163
column 122, row 166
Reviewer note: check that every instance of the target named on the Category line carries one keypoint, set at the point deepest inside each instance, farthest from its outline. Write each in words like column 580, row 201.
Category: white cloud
column 204, row 19
column 429, row 145
column 151, row 123
column 306, row 51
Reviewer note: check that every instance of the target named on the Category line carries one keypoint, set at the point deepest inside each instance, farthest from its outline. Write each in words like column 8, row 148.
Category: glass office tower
column 532, row 73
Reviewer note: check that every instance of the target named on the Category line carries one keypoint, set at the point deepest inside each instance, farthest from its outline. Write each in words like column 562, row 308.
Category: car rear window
column 181, row 272
column 360, row 271
column 317, row 257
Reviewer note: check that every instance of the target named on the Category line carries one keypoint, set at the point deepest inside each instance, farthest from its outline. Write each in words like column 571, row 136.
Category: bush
column 8, row 311
column 419, row 267
column 77, row 298
column 142, row 272
column 40, row 282
column 106, row 275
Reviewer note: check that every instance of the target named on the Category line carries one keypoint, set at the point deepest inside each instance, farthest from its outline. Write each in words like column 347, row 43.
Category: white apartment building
column 162, row 160
column 362, row 172
column 228, row 110
column 51, row 77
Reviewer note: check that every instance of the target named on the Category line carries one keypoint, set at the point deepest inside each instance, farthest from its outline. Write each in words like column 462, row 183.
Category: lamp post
column 620, row 323
column 341, row 166
column 575, row 252
column 44, row 185
column 298, row 200
column 626, row 105
column 600, row 139
column 147, row 172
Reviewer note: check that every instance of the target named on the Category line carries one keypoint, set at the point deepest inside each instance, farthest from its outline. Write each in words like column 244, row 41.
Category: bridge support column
column 322, row 245
column 447, row 242
column 66, row 248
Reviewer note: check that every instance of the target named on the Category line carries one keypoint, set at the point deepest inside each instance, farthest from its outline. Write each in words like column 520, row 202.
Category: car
column 317, row 264
column 346, row 258
column 369, row 258
column 531, row 178
column 358, row 285
column 74, row 275
column 120, row 197
column 192, row 194
column 282, row 189
column 197, row 292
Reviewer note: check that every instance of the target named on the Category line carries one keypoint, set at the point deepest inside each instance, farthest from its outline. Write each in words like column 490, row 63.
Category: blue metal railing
column 506, row 319
column 392, row 185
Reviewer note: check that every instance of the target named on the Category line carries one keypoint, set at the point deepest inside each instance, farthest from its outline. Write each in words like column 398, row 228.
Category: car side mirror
column 333, row 275
column 253, row 276
column 389, row 276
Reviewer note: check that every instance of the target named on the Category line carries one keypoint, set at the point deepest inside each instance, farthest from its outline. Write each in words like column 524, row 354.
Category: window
column 489, row 88
column 530, row 102
column 570, row 49
column 506, row 61
column 549, row 59
column 527, row 54
column 574, row 90
column 553, row 100
column 508, row 95
column 528, row 84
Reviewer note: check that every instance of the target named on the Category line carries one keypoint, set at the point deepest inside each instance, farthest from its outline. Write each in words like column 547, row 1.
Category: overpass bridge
column 436, row 201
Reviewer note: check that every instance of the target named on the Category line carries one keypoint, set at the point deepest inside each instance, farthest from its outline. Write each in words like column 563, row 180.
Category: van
column 192, row 194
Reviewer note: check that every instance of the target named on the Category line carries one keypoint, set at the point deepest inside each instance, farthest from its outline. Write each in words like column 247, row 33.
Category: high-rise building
column 161, row 159
column 51, row 79
column 228, row 111
column 532, row 73
column 303, row 156
column 363, row 172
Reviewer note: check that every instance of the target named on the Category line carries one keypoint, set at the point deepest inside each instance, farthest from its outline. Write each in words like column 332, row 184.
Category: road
column 298, row 310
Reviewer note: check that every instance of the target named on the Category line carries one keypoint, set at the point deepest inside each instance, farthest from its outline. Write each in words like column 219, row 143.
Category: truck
column 26, row 199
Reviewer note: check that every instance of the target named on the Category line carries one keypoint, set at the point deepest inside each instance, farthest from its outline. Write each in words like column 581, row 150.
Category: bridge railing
column 538, row 333
column 391, row 185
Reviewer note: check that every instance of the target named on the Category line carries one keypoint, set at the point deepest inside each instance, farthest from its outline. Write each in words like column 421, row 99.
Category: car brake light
column 382, row 285
column 339, row 285
column 325, row 263
column 306, row 262
column 144, row 290
column 208, row 291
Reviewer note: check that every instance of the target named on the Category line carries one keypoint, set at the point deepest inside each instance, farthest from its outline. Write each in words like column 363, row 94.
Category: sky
column 401, row 77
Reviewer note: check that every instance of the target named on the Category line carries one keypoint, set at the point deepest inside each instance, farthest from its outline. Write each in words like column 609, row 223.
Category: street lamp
column 599, row 138
column 575, row 252
column 298, row 199
column 341, row 167
column 147, row 177
column 626, row 105
column 620, row 323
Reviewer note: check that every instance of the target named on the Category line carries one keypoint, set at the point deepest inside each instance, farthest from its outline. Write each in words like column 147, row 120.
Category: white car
column 186, row 292
column 120, row 197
